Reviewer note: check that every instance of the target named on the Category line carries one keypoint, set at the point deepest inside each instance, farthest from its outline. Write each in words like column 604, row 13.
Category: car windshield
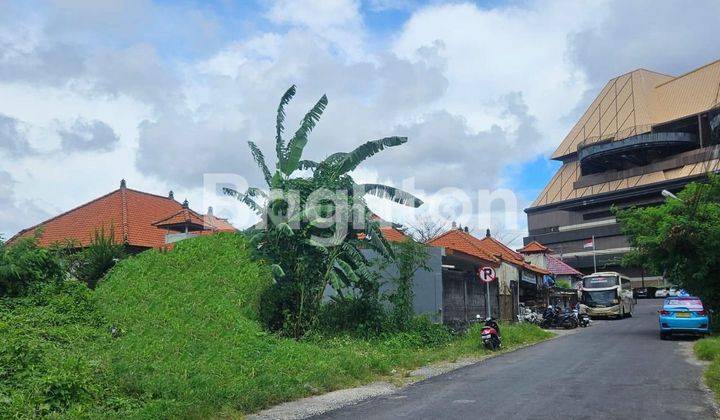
column 605, row 297
column 692, row 304
column 599, row 282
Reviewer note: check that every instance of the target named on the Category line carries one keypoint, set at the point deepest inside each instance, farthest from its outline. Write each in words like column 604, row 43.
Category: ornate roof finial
column 171, row 195
column 487, row 233
column 123, row 184
column 186, row 204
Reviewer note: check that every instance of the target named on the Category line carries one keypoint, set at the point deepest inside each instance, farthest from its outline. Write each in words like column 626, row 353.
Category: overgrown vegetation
column 25, row 267
column 175, row 334
column 709, row 349
column 680, row 239
column 91, row 263
column 313, row 224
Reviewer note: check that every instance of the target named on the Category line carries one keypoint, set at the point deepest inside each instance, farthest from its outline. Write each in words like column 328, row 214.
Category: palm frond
column 245, row 198
column 391, row 193
column 279, row 127
column 364, row 151
column 334, row 158
column 260, row 160
column 347, row 270
column 297, row 143
column 307, row 164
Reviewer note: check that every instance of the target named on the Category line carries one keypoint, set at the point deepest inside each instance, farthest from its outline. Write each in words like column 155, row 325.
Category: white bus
column 607, row 294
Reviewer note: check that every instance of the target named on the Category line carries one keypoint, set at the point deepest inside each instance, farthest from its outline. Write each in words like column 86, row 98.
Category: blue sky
column 162, row 93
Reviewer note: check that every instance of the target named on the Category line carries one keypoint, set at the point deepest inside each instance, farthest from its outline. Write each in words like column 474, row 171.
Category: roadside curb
column 320, row 404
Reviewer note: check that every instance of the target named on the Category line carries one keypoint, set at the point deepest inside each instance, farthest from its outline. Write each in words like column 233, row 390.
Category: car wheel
column 663, row 336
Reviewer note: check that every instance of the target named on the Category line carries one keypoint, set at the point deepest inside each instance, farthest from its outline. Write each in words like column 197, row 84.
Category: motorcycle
column 490, row 334
column 582, row 319
column 555, row 318
column 528, row 315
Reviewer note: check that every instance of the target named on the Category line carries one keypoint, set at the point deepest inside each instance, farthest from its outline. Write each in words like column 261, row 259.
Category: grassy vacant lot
column 186, row 343
column 709, row 349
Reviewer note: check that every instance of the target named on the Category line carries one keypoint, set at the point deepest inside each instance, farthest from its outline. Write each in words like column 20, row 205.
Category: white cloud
column 474, row 88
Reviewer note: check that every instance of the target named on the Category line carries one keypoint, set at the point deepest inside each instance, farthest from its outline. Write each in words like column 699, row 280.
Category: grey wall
column 427, row 285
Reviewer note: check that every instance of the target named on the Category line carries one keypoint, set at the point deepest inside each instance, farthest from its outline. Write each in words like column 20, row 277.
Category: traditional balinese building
column 645, row 132
column 137, row 219
column 464, row 254
column 541, row 256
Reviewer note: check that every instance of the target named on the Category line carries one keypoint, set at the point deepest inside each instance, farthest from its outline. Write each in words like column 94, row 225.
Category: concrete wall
column 427, row 285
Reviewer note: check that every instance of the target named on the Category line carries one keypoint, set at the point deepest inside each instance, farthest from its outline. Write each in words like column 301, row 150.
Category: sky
column 161, row 93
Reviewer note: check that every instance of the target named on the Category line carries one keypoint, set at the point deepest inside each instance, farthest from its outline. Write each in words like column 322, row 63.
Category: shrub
column 46, row 366
column 90, row 264
column 25, row 266
column 360, row 316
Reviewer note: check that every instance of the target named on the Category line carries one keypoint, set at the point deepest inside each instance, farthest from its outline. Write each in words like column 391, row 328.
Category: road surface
column 617, row 369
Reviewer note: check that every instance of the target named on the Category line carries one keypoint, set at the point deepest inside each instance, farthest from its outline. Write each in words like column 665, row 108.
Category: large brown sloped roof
column 129, row 212
column 629, row 105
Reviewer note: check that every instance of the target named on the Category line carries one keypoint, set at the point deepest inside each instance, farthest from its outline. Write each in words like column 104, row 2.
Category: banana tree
column 292, row 237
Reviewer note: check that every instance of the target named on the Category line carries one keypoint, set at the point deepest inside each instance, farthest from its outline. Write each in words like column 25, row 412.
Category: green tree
column 315, row 225
column 680, row 238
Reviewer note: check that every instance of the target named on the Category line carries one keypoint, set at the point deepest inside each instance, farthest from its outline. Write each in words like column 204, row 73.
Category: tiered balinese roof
column 498, row 248
column 534, row 247
column 132, row 216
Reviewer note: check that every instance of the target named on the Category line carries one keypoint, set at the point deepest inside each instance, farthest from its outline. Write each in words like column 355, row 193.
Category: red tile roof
column 498, row 248
column 534, row 247
column 558, row 267
column 487, row 248
column 130, row 212
column 461, row 241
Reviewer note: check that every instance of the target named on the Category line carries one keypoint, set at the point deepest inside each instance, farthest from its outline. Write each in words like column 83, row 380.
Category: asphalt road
column 612, row 370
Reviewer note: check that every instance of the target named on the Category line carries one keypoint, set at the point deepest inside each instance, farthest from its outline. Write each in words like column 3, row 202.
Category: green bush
column 46, row 362
column 25, row 266
column 362, row 316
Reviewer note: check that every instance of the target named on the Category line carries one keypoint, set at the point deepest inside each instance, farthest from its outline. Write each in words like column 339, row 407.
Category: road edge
column 689, row 352
column 323, row 403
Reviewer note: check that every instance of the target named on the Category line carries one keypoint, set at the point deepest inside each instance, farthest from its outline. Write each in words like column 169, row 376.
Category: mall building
column 645, row 132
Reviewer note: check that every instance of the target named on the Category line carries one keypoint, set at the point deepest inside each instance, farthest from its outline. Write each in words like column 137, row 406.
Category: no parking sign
column 487, row 274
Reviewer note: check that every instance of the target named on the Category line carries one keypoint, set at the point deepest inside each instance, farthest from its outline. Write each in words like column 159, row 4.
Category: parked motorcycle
column 490, row 334
column 583, row 319
column 528, row 315
column 556, row 318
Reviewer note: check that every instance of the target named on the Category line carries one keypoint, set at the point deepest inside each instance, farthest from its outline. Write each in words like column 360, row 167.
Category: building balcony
column 638, row 150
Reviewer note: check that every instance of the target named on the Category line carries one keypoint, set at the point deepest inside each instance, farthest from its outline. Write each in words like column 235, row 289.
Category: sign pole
column 487, row 300
column 487, row 274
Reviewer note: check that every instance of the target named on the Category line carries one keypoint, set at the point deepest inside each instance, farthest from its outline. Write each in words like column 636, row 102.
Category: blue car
column 683, row 315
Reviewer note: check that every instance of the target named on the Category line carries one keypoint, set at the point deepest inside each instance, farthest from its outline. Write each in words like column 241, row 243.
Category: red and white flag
column 589, row 243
